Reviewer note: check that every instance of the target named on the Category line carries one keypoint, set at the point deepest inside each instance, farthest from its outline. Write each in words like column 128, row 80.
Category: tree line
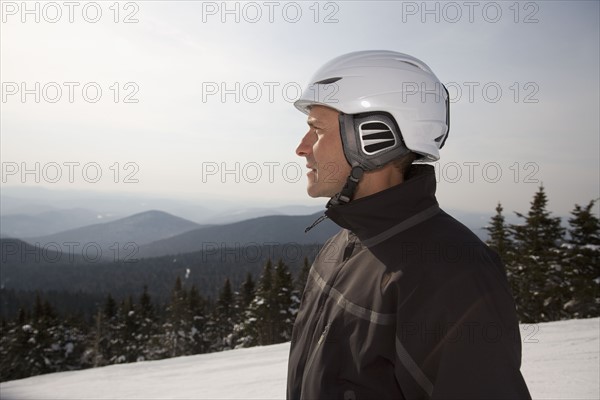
column 38, row 341
column 78, row 286
column 554, row 272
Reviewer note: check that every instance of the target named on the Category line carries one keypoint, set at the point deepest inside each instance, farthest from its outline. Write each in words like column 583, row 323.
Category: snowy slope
column 560, row 361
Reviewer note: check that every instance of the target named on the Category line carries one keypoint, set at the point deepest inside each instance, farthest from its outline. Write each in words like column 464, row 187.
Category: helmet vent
column 328, row 81
column 376, row 137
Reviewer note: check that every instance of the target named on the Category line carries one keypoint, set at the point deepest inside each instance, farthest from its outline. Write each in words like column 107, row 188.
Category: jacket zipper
column 347, row 253
column 313, row 355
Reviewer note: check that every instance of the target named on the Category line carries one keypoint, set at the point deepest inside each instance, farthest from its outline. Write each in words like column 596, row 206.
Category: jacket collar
column 381, row 215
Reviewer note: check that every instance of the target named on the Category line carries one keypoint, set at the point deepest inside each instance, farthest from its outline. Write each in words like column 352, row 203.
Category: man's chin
column 314, row 191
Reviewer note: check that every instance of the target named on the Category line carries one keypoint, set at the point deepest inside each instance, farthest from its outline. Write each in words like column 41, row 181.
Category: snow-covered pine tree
column 302, row 277
column 7, row 336
column 255, row 328
column 299, row 285
column 199, row 342
column 37, row 357
column 68, row 343
column 500, row 241
column 223, row 320
column 94, row 355
column 109, row 344
column 285, row 303
column 110, row 307
column 499, row 237
column 537, row 263
column 243, row 298
column 177, row 326
column 15, row 347
column 40, row 343
column 582, row 264
column 124, row 346
column 147, row 335
column 102, row 341
column 246, row 293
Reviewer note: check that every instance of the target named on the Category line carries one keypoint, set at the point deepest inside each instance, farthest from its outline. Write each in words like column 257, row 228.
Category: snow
column 560, row 361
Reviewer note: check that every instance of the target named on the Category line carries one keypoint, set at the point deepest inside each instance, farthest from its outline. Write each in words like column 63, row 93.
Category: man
column 404, row 302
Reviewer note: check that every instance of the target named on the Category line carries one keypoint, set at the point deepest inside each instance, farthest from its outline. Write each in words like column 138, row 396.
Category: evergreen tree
column 104, row 342
column 177, row 327
column 125, row 327
column 16, row 343
column 585, row 226
column 285, row 304
column 40, row 343
column 500, row 241
column 499, row 236
column 110, row 307
column 246, row 293
column 223, row 320
column 40, row 338
column 256, row 329
column 146, row 336
column 199, row 342
column 243, row 301
column 266, row 307
column 95, row 354
column 582, row 264
column 67, row 343
column 300, row 284
column 537, row 273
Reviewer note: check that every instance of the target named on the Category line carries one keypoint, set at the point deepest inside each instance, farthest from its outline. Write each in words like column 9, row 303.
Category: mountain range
column 19, row 204
column 157, row 233
column 269, row 230
column 50, row 221
column 124, row 235
column 97, row 224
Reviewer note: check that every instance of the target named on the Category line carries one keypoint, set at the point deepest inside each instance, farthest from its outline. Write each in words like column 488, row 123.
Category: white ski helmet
column 390, row 103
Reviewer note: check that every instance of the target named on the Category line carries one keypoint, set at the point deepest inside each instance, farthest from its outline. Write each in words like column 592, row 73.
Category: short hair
column 404, row 163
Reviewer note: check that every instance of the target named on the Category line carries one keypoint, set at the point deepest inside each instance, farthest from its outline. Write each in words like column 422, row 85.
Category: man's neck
column 378, row 180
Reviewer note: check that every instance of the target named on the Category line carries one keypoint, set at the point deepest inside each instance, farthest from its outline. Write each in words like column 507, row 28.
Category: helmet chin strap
column 347, row 192
column 343, row 197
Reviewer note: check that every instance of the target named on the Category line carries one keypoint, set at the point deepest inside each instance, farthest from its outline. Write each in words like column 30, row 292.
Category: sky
column 559, row 361
column 194, row 100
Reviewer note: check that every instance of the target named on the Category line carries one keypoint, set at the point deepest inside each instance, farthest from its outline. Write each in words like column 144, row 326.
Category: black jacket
column 405, row 303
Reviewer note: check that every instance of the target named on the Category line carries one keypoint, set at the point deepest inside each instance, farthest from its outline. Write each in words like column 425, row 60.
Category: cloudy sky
column 194, row 99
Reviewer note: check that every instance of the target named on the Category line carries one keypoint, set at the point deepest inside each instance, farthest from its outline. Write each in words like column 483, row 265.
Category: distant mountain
column 49, row 222
column 200, row 208
column 237, row 215
column 253, row 232
column 119, row 238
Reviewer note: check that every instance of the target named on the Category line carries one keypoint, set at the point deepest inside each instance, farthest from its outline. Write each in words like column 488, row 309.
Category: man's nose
column 305, row 147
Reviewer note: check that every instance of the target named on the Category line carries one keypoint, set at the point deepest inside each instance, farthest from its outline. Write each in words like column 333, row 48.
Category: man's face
column 322, row 148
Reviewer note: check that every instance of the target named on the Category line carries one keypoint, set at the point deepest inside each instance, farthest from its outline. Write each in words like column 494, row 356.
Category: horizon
column 222, row 204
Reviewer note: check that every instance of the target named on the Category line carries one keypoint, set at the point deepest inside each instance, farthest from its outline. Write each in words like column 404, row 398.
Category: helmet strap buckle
column 349, row 189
